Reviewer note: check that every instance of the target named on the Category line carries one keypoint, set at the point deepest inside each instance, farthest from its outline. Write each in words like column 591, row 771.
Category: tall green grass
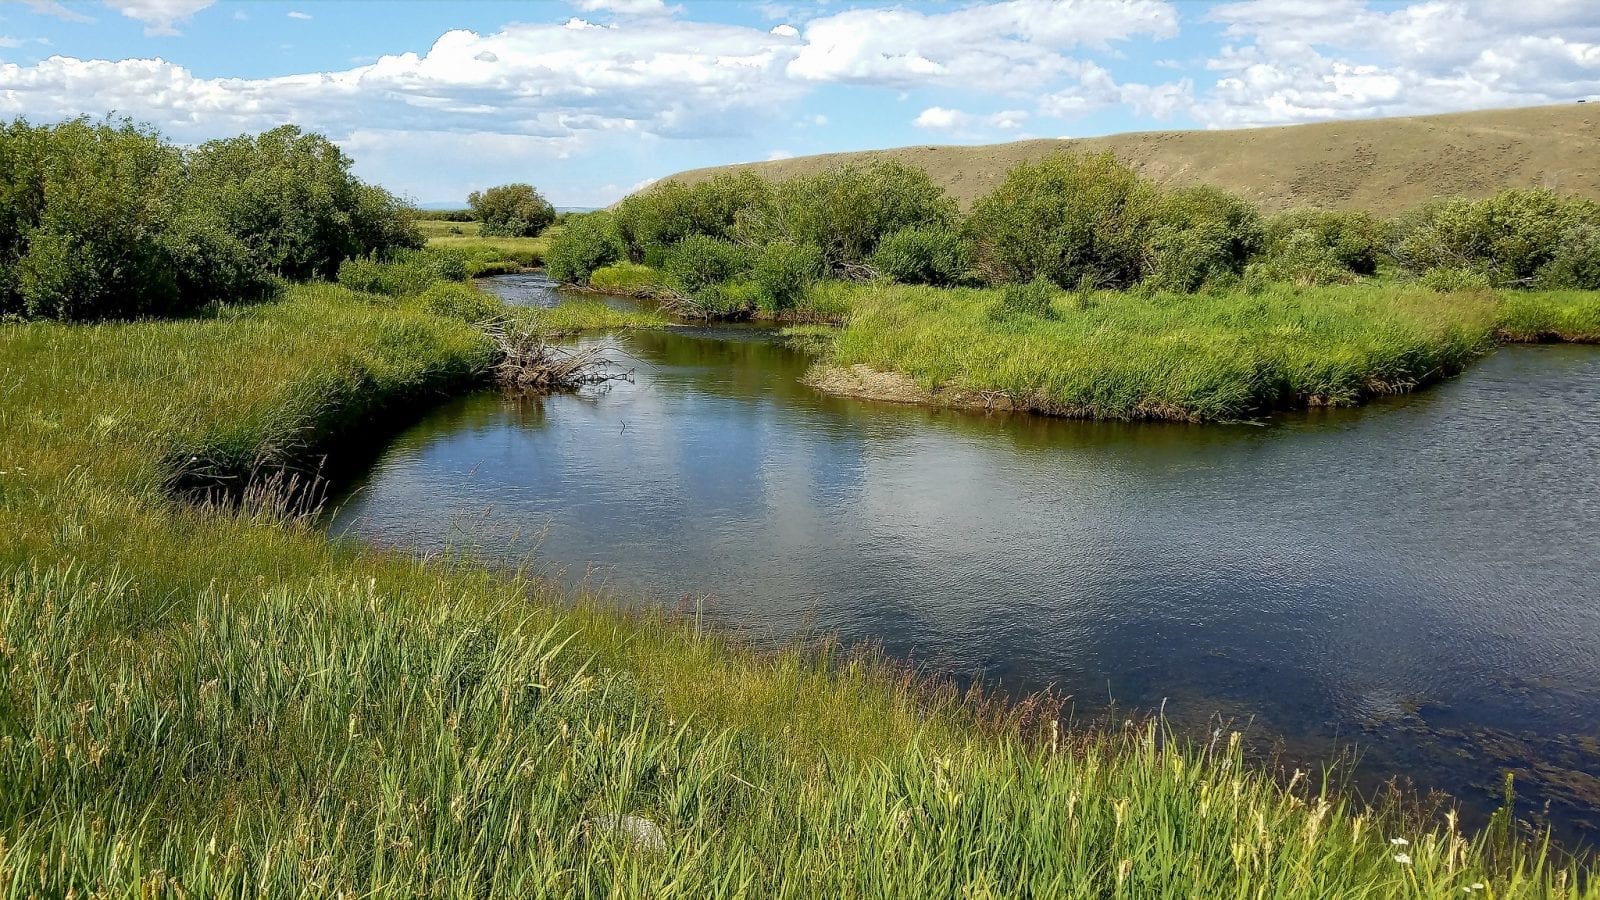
column 211, row 700
column 1205, row 357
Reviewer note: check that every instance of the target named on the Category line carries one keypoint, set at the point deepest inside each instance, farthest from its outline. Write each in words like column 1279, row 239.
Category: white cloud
column 9, row 42
column 1009, row 46
column 627, row 7
column 965, row 124
column 1095, row 89
column 160, row 17
column 553, row 81
column 787, row 31
column 776, row 155
column 1294, row 60
column 54, row 8
column 297, row 14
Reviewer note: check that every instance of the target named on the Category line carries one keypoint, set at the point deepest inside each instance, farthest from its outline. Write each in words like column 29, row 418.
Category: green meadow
column 208, row 698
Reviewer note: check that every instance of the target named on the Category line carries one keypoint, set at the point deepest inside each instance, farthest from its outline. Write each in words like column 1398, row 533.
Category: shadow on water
column 1416, row 578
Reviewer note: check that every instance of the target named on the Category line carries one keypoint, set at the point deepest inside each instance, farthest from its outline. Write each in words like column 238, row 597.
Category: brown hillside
column 1380, row 165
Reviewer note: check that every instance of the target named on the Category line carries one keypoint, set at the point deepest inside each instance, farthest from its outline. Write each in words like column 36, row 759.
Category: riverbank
column 1193, row 358
column 221, row 700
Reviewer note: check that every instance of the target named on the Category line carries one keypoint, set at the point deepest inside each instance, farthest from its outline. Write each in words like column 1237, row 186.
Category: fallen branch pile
column 528, row 361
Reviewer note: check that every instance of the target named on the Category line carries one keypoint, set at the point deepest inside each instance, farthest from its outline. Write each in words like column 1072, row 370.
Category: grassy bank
column 464, row 236
column 215, row 702
column 1206, row 357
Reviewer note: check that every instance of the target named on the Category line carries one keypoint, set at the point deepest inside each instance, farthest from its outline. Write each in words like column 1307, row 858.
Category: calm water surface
column 1419, row 578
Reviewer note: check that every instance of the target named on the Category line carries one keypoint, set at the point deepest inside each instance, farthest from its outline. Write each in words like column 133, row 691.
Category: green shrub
column 586, row 243
column 408, row 273
column 924, row 255
column 653, row 219
column 1450, row 280
column 698, row 262
column 511, row 210
column 290, row 197
column 1576, row 263
column 733, row 299
column 459, row 301
column 85, row 231
column 1511, row 237
column 1302, row 258
column 1032, row 298
column 1070, row 219
column 782, row 273
column 1201, row 236
column 1352, row 241
column 846, row 211
column 626, row 278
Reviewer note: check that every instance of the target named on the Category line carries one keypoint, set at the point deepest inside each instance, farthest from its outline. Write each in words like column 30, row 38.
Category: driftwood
column 529, row 361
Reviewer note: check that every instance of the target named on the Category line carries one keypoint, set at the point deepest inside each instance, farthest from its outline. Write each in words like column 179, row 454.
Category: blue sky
column 590, row 98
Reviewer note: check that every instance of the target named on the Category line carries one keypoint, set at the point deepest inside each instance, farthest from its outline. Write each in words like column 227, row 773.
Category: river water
column 1418, row 580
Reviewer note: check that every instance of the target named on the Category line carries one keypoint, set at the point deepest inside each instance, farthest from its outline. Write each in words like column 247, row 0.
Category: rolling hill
column 1380, row 165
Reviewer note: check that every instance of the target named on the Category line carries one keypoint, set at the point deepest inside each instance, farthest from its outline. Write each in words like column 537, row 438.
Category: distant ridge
column 1379, row 165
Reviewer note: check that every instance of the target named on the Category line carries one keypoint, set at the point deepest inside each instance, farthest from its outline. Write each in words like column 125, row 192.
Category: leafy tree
column 586, row 243
column 290, row 197
column 1071, row 219
column 1200, row 235
column 847, row 211
column 511, row 210
column 653, row 219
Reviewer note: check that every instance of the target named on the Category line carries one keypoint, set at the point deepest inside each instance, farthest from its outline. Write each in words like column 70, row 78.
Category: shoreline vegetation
column 1076, row 288
column 217, row 699
column 204, row 694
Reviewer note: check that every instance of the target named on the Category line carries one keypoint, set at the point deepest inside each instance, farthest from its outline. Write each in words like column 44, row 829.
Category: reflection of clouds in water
column 1321, row 573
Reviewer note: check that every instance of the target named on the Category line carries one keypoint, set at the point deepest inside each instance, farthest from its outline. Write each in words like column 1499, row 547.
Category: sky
column 589, row 99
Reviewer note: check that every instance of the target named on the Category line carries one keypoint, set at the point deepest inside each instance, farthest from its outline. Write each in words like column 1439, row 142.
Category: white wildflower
column 1399, row 842
column 1403, row 859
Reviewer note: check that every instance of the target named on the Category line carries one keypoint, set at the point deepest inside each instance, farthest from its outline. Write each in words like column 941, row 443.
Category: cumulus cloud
column 964, row 124
column 1008, row 46
column 297, row 14
column 1293, row 61
column 160, row 17
column 1092, row 88
column 696, row 79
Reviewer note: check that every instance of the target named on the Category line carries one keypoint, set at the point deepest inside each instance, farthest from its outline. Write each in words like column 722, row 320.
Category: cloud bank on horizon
column 590, row 98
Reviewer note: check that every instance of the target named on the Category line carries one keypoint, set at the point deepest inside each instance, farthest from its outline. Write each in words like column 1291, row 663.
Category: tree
column 290, row 197
column 1071, row 219
column 511, row 210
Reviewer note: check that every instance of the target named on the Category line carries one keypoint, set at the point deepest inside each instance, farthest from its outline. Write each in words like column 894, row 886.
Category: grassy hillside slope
column 1383, row 166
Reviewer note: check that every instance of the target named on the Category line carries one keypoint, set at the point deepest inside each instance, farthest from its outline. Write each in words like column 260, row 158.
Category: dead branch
column 529, row 361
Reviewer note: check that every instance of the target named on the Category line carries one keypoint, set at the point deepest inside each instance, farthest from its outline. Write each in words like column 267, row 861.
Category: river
column 1418, row 580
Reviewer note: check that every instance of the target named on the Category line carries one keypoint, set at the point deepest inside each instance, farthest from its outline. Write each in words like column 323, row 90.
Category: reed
column 218, row 700
column 1191, row 357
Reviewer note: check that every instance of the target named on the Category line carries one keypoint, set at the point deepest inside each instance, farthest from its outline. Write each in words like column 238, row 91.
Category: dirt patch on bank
column 892, row 387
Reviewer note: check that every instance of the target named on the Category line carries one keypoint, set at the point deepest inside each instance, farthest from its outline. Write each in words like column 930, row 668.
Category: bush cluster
column 108, row 220
column 405, row 273
column 1530, row 238
column 1072, row 222
column 511, row 210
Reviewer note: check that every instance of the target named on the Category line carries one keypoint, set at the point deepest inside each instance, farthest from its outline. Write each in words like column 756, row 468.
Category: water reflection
column 1418, row 577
